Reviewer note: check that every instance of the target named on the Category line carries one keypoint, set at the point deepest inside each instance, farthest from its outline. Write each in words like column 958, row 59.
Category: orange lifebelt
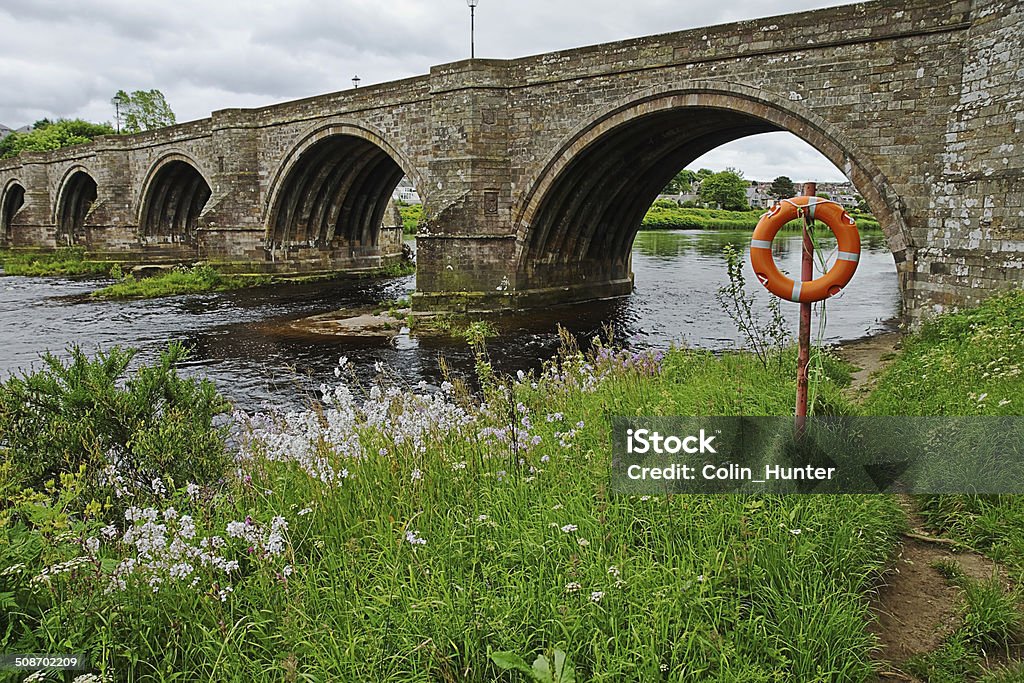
column 819, row 289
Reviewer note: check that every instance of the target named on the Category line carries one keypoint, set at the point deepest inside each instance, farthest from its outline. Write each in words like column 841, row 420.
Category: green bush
column 120, row 430
column 412, row 216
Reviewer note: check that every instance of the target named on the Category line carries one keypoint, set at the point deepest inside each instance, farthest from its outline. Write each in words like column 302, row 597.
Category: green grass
column 967, row 363
column 663, row 217
column 194, row 280
column 412, row 216
column 69, row 261
column 725, row 588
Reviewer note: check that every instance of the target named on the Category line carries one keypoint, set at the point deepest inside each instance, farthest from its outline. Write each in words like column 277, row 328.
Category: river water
column 243, row 340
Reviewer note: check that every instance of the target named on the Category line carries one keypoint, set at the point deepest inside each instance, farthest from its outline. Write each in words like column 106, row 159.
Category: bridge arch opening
column 174, row 199
column 334, row 196
column 77, row 196
column 11, row 201
column 577, row 227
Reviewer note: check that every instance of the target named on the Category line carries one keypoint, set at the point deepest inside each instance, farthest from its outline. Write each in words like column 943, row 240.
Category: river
column 243, row 341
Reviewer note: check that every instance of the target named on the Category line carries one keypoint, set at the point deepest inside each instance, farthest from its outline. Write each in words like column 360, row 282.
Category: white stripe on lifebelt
column 761, row 244
column 796, row 291
column 849, row 256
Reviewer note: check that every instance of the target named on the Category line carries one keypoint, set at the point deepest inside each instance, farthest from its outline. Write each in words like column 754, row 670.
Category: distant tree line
column 139, row 111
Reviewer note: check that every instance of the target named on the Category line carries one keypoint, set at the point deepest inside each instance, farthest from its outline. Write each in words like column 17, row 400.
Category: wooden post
column 804, row 333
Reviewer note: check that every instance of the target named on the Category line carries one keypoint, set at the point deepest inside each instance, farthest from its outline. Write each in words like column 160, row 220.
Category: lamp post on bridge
column 472, row 27
column 355, row 81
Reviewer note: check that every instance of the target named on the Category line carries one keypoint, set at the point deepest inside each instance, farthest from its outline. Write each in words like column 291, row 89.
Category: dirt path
column 870, row 355
column 915, row 606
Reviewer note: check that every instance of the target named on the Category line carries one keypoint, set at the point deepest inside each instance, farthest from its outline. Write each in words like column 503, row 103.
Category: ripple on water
column 241, row 339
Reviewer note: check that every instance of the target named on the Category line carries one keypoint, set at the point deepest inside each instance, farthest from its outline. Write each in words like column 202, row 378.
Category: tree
column 681, row 184
column 726, row 189
column 142, row 110
column 782, row 188
column 48, row 135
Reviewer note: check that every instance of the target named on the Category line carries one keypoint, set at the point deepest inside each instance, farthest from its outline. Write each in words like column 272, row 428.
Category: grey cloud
column 67, row 57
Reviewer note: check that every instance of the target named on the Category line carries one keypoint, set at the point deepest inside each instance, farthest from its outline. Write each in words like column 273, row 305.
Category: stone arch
column 12, row 199
column 334, row 188
column 75, row 199
column 580, row 217
column 173, row 197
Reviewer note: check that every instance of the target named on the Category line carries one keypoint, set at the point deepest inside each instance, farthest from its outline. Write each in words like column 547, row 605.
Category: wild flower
column 569, row 528
column 304, row 511
column 416, row 475
column 614, row 571
column 89, row 678
column 582, row 542
column 573, row 587
column 596, row 596
column 414, row 539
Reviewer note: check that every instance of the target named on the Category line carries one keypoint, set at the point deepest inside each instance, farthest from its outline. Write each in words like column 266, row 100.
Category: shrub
column 120, row 431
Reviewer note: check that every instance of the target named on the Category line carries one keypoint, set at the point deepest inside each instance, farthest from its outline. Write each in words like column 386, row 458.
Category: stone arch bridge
column 536, row 172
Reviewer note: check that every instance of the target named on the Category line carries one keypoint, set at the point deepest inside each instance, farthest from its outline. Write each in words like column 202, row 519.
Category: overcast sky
column 66, row 58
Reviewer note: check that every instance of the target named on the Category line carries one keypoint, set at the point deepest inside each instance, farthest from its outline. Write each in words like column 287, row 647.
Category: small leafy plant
column 766, row 339
column 543, row 670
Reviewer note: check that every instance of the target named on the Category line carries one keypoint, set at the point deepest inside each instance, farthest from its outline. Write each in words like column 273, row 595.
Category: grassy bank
column 403, row 537
column 664, row 217
column 661, row 216
column 387, row 534
column 69, row 262
column 969, row 363
column 180, row 280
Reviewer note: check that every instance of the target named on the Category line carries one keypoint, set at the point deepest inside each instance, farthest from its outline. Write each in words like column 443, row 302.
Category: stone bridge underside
column 535, row 173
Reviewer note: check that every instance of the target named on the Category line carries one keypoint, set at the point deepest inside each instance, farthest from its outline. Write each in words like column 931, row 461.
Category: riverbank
column 398, row 517
column 160, row 280
column 202, row 278
column 66, row 262
column 664, row 215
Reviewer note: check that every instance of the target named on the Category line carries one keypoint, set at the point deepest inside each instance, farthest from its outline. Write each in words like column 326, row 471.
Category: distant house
column 757, row 195
column 5, row 131
column 848, row 201
column 405, row 192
